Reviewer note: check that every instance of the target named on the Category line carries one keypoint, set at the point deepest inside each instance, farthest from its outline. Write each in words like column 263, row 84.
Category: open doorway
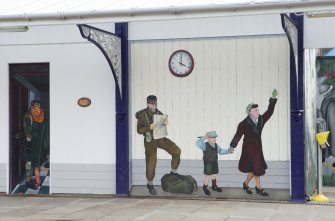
column 28, row 82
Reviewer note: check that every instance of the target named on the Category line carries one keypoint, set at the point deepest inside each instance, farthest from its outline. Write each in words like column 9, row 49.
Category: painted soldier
column 145, row 126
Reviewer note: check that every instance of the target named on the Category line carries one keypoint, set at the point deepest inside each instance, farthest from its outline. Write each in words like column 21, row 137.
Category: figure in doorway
column 36, row 132
column 145, row 126
column 252, row 158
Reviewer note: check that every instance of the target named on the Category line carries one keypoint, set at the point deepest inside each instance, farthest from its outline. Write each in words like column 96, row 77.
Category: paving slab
column 100, row 208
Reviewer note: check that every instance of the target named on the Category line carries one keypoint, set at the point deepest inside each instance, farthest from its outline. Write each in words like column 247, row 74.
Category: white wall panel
column 93, row 127
column 3, row 178
column 277, row 175
column 319, row 32
column 266, row 24
column 4, row 112
column 229, row 73
column 77, row 135
column 82, row 178
column 230, row 107
column 283, row 110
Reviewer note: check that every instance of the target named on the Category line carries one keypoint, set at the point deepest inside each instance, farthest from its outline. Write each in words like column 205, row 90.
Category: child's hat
column 212, row 134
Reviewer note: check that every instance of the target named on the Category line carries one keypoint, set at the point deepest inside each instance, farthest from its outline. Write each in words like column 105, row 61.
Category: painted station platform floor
column 22, row 189
column 227, row 193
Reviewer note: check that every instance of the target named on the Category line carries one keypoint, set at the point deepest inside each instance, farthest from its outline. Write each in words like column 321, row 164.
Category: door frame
column 19, row 72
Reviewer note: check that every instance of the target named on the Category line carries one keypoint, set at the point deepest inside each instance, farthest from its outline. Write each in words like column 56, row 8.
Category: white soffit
column 129, row 10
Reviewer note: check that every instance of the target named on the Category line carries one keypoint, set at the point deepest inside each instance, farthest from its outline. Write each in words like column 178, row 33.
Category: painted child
column 211, row 150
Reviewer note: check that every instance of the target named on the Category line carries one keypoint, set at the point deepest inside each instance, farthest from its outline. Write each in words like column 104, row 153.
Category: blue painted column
column 297, row 117
column 122, row 122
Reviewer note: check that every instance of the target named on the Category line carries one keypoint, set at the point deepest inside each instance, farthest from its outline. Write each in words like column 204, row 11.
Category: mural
column 311, row 146
column 36, row 132
column 252, row 159
column 211, row 150
column 325, row 67
column 206, row 101
column 152, row 123
column 149, row 123
column 35, row 151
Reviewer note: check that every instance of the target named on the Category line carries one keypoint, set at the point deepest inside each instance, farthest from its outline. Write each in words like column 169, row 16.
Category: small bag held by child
column 176, row 183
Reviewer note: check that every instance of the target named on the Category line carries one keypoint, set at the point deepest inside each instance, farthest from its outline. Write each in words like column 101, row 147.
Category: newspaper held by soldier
column 161, row 130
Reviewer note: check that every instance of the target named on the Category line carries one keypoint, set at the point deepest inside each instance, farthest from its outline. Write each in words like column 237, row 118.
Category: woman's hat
column 250, row 106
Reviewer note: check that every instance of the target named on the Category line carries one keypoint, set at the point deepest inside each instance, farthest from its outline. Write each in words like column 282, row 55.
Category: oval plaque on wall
column 84, row 102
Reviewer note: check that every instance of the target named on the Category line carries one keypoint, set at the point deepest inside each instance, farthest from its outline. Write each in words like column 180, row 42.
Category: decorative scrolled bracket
column 291, row 31
column 110, row 46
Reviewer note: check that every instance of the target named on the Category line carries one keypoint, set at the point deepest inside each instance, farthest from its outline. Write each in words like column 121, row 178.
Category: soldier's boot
column 151, row 189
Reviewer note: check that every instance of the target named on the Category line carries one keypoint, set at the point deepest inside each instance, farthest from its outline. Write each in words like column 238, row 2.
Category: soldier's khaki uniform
column 145, row 118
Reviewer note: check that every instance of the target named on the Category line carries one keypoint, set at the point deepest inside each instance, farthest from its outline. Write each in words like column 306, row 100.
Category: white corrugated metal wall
column 229, row 73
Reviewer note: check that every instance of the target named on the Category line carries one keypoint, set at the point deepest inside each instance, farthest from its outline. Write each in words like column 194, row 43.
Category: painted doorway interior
column 28, row 82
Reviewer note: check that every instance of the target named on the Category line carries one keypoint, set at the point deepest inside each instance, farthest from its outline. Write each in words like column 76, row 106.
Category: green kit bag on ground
column 179, row 184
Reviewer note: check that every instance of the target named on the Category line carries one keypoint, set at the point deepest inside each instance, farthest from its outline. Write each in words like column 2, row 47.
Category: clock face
column 181, row 63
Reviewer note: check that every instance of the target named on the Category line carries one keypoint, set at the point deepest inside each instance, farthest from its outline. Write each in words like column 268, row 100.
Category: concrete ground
column 103, row 208
column 160, row 208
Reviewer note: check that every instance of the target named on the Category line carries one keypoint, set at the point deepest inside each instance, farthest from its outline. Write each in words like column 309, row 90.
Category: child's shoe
column 217, row 189
column 206, row 190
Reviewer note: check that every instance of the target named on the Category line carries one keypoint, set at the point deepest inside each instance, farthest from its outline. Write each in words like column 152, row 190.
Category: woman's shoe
column 261, row 191
column 246, row 188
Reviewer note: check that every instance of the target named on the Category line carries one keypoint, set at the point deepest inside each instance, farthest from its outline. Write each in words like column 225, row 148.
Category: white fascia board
column 164, row 13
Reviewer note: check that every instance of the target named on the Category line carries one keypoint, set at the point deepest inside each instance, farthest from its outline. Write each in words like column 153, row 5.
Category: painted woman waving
column 252, row 159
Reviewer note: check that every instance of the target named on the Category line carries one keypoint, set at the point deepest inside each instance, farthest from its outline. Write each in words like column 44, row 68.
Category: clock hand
column 181, row 64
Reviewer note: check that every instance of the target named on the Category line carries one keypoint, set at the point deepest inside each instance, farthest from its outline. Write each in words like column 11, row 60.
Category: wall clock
column 181, row 63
